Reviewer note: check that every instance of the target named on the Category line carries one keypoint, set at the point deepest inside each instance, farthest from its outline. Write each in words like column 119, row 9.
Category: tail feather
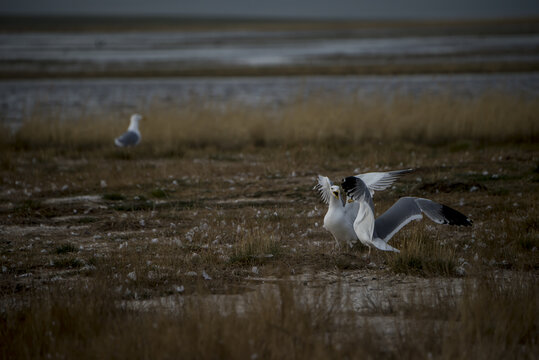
column 382, row 245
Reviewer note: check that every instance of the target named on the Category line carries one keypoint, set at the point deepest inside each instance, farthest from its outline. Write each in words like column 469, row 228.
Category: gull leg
column 337, row 246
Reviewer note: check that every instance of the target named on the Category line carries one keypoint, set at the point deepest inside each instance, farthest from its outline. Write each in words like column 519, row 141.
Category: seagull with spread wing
column 341, row 214
column 132, row 136
column 377, row 232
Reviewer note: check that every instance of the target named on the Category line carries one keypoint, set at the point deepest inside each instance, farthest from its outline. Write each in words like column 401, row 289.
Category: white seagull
column 339, row 219
column 377, row 232
column 132, row 136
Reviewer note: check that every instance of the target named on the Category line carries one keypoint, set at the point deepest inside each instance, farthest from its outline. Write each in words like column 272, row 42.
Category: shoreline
column 271, row 71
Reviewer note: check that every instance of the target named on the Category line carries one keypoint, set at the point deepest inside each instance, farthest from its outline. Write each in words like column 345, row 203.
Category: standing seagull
column 132, row 136
column 376, row 233
column 339, row 219
column 340, row 216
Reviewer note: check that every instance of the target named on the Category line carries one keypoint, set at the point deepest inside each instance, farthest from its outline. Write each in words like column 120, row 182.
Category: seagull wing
column 407, row 209
column 324, row 188
column 382, row 245
column 350, row 211
column 373, row 181
column 378, row 181
column 129, row 138
column 357, row 190
column 355, row 187
column 442, row 214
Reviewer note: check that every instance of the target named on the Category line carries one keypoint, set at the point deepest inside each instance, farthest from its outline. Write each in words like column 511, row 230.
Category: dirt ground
column 226, row 228
column 69, row 217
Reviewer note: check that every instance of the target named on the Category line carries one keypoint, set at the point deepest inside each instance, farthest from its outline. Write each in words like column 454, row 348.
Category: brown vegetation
column 206, row 241
column 322, row 120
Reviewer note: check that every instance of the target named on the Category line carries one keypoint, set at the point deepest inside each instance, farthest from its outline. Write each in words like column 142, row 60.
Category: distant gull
column 132, row 136
column 339, row 219
column 376, row 233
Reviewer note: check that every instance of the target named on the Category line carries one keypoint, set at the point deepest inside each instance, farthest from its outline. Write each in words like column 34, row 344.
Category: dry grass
column 177, row 248
column 494, row 319
column 424, row 253
column 255, row 248
column 429, row 119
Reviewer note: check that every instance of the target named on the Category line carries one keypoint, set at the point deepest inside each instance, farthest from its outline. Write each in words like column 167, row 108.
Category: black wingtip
column 355, row 187
column 454, row 217
column 348, row 183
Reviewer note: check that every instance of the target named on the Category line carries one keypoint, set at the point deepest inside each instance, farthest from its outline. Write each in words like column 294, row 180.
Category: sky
column 321, row 9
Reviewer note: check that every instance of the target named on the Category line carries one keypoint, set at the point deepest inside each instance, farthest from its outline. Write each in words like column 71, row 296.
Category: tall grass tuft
column 422, row 254
column 322, row 119
column 495, row 318
column 256, row 247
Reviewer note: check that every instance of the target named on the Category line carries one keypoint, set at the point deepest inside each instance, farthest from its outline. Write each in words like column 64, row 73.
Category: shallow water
column 65, row 53
column 259, row 47
column 73, row 98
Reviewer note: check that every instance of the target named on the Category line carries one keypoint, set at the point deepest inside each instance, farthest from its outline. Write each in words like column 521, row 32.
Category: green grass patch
column 488, row 177
column 65, row 248
column 499, row 192
column 113, row 196
column 120, row 155
column 459, row 146
column 348, row 262
column 159, row 193
column 135, row 206
column 29, row 208
column 87, row 220
column 527, row 243
column 68, row 263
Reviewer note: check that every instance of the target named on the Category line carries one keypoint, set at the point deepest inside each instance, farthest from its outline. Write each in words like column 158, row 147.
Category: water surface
column 137, row 51
column 72, row 98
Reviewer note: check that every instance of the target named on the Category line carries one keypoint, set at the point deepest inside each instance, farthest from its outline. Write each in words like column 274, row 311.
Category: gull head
column 335, row 191
column 133, row 124
column 135, row 118
column 348, row 198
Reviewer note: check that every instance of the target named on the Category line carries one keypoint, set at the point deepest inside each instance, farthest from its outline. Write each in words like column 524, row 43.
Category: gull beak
column 336, row 194
column 350, row 200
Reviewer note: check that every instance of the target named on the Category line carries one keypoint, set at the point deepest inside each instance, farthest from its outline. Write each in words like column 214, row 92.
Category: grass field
column 206, row 241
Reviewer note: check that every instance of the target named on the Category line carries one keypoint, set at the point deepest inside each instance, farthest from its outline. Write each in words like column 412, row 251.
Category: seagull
column 377, row 232
column 132, row 136
column 342, row 211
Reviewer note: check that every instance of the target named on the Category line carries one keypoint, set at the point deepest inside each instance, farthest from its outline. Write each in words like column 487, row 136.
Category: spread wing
column 355, row 187
column 378, row 181
column 350, row 211
column 324, row 188
column 357, row 190
column 407, row 209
